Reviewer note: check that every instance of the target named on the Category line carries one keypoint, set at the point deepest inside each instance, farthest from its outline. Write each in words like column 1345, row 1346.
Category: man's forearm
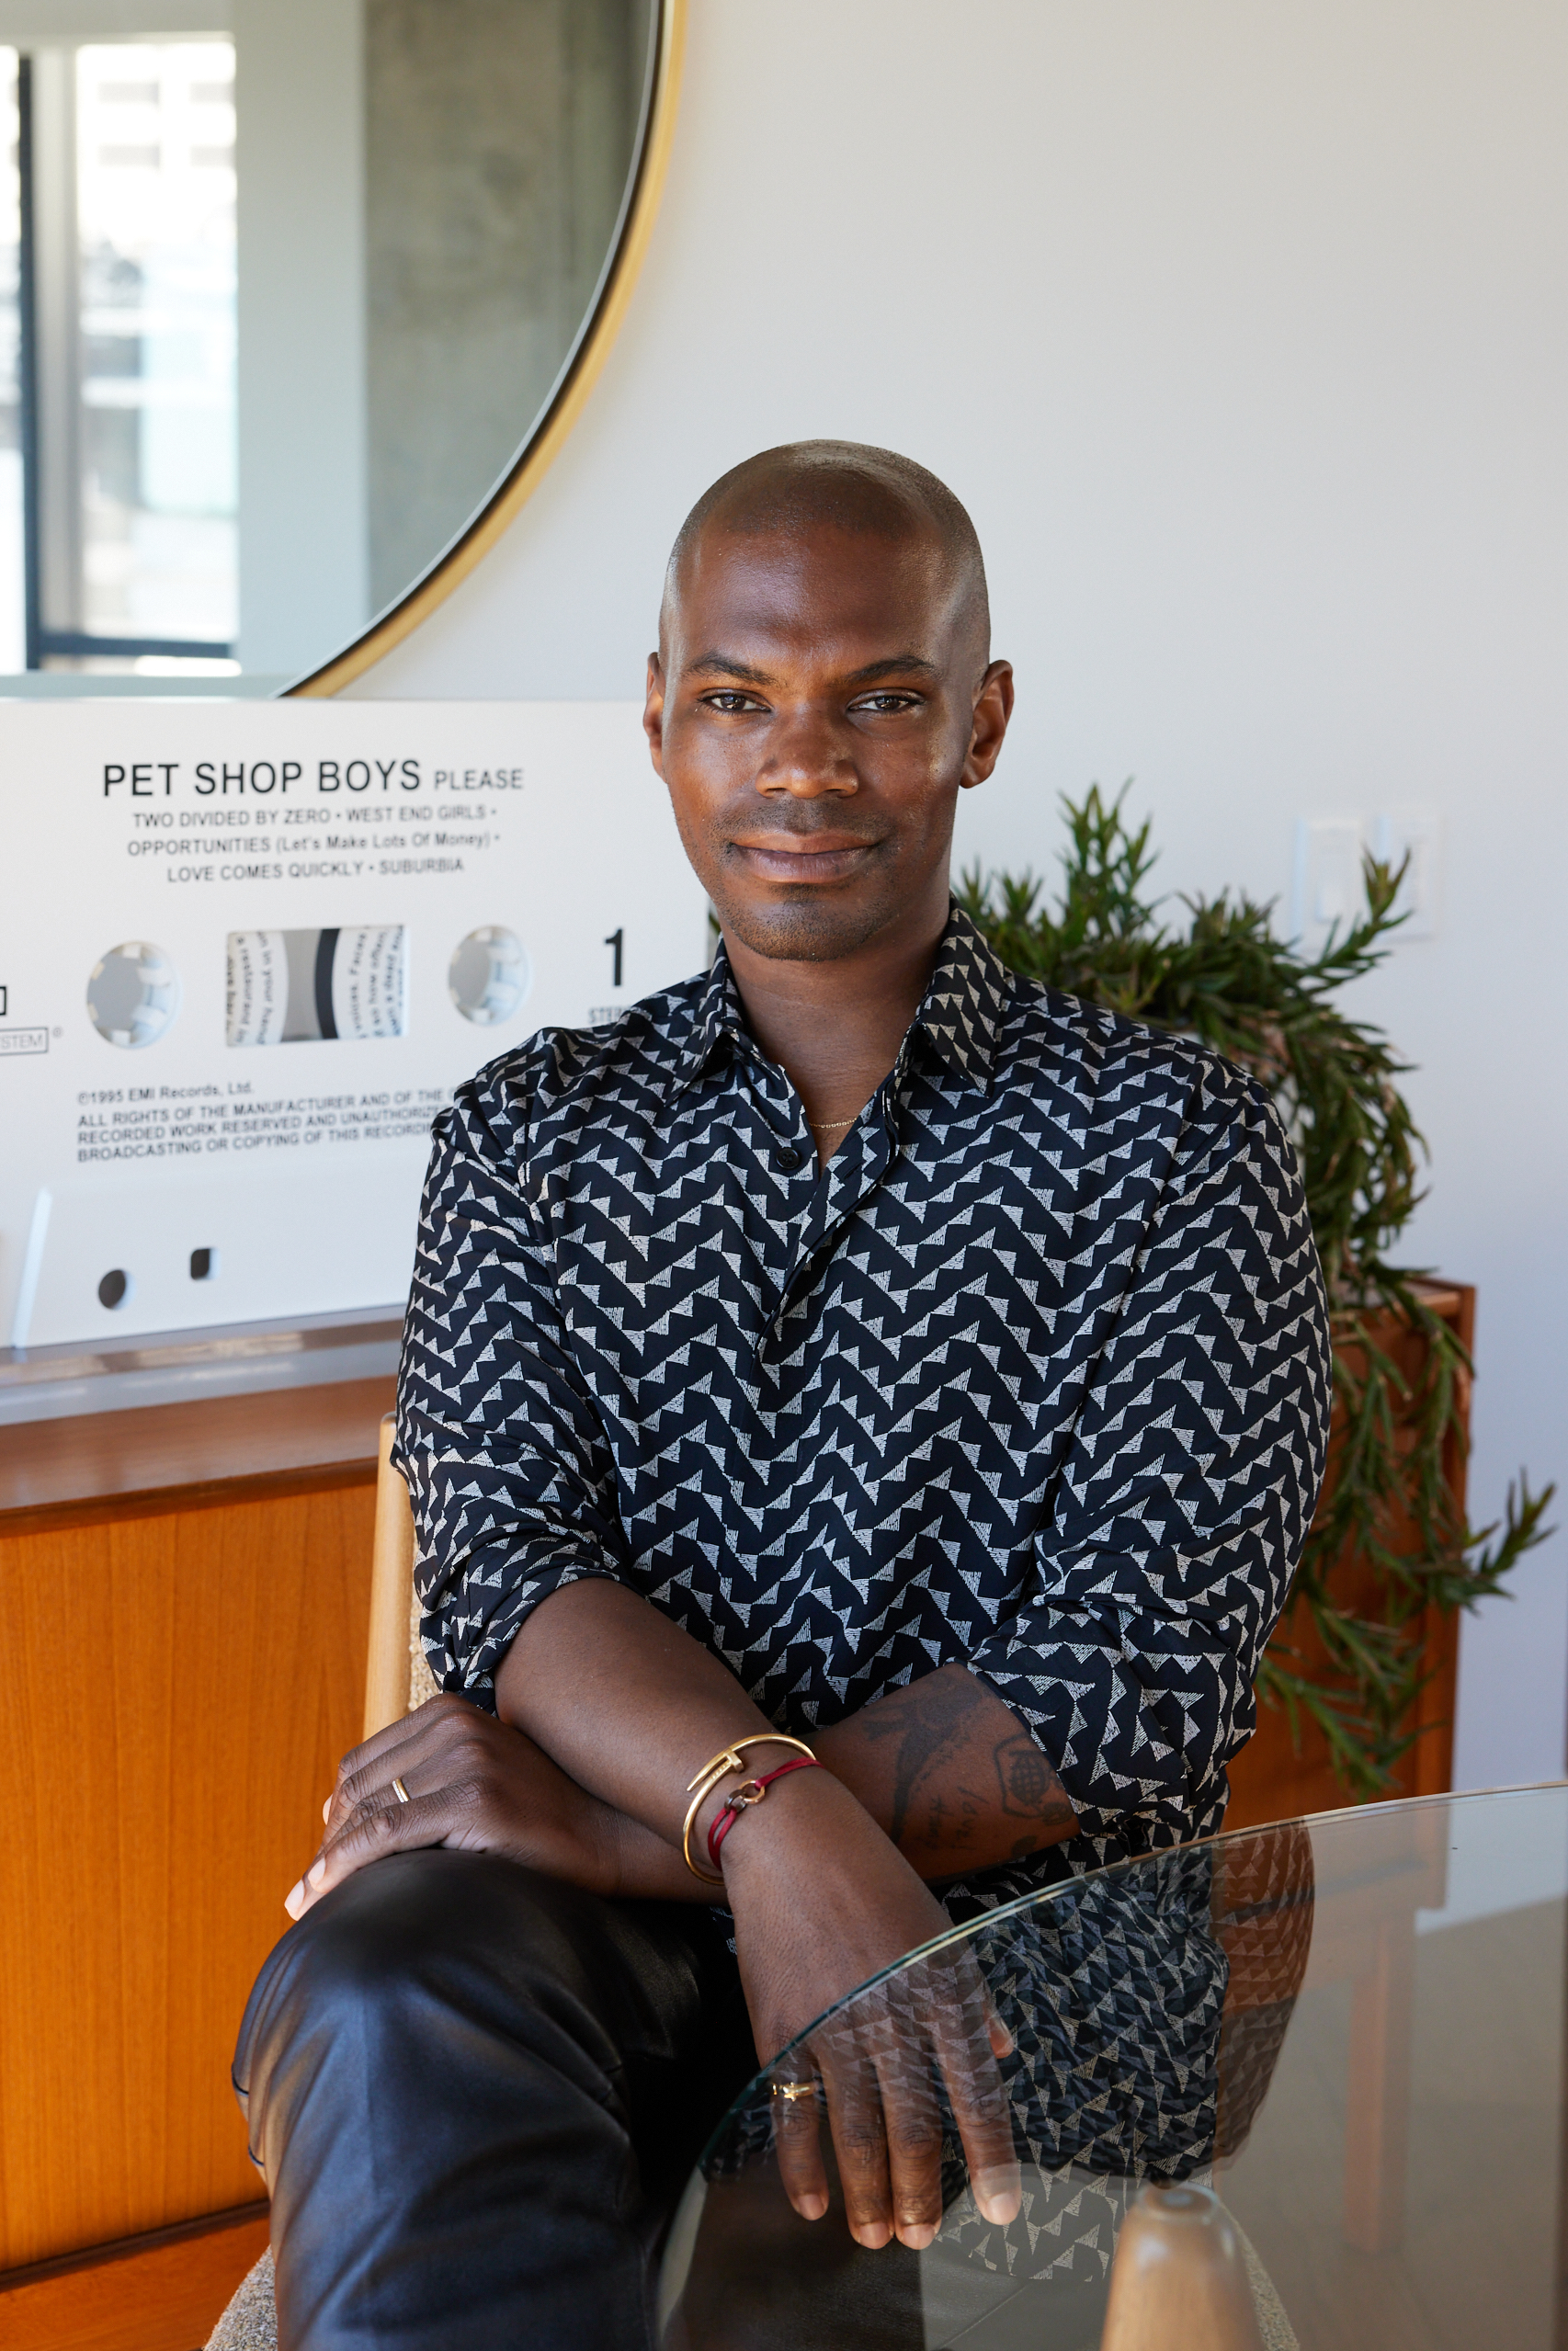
column 624, row 1700
column 950, row 1774
column 630, row 1706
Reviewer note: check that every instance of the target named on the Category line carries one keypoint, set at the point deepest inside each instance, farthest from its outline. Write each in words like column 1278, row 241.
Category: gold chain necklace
column 830, row 1126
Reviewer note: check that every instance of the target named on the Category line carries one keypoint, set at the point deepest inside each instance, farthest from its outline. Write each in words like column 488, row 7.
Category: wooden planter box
column 1269, row 1781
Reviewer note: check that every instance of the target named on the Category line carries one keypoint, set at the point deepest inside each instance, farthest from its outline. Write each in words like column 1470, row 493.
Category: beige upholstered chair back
column 397, row 1678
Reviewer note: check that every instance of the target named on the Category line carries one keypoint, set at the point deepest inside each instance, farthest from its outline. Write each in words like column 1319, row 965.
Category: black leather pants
column 475, row 2095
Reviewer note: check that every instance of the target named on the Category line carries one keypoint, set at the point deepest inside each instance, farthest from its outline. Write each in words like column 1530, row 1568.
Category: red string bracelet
column 750, row 1792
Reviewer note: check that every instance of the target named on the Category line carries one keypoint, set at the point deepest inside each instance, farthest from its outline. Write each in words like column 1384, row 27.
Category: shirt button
column 789, row 1158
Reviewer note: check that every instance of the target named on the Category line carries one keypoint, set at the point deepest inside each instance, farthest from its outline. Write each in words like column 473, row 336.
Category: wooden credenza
column 183, row 1592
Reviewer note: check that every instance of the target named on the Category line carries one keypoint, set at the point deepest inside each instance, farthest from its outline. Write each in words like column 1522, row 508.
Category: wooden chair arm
column 387, row 1661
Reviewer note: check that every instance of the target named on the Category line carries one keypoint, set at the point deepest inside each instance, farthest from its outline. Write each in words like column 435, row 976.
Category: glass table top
column 1349, row 2028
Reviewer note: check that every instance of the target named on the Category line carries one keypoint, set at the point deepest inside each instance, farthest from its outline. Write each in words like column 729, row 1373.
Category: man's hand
column 473, row 1783
column 823, row 1901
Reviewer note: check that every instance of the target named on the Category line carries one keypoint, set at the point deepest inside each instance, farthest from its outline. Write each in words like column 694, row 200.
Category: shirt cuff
column 467, row 1631
column 1049, row 1712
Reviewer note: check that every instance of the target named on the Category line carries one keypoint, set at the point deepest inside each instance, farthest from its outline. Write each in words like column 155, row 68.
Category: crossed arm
column 950, row 1775
column 605, row 1710
column 1160, row 1574
column 608, row 1691
column 618, row 1696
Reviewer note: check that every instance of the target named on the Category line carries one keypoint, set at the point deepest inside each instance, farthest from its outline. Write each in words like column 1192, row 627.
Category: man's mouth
column 803, row 856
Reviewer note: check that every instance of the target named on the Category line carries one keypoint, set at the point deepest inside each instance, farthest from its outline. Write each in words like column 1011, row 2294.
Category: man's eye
column 887, row 705
column 731, row 703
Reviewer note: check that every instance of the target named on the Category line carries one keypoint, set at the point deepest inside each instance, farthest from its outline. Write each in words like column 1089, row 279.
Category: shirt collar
column 717, row 1024
column 962, row 1009
column 960, row 1012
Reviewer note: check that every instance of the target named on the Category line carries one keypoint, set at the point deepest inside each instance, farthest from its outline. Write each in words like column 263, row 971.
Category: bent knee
column 408, row 1925
column 394, row 1918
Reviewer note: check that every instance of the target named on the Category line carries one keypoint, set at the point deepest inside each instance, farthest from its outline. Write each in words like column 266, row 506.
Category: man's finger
column 912, row 2119
column 366, row 1771
column 368, row 1833
column 860, row 2141
column 963, row 2029
column 372, row 1783
column 442, row 1706
column 380, row 1740
column 797, row 2141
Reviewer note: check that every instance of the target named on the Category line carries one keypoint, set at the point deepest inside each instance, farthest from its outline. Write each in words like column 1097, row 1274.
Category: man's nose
column 807, row 755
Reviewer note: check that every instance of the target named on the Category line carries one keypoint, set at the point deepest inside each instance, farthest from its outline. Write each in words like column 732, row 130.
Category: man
column 856, row 1347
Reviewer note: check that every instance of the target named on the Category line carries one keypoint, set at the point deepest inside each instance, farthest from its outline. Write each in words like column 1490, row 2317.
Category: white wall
column 1240, row 329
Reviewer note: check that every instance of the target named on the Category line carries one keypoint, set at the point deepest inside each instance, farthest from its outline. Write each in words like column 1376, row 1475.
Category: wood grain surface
column 110, row 1465
column 178, row 1687
column 162, row 2295
column 1273, row 1779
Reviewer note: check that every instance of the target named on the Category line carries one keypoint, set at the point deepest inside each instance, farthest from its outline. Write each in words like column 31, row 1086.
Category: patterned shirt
column 1033, row 1377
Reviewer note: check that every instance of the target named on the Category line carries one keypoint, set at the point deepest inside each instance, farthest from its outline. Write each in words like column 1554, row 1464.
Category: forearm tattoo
column 941, row 1791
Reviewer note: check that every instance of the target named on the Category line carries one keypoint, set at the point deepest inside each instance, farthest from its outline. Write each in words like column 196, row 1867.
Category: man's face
column 815, row 706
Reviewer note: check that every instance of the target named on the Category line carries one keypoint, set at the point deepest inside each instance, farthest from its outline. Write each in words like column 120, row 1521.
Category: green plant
column 1226, row 979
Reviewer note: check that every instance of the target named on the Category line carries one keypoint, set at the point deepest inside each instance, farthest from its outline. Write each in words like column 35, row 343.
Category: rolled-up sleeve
column 1186, row 1490
column 505, row 1455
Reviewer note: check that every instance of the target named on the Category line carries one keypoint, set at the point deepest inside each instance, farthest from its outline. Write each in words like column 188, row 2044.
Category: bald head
column 805, row 488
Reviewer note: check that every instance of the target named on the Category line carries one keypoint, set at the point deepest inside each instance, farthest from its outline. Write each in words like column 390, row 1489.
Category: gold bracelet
column 708, row 1778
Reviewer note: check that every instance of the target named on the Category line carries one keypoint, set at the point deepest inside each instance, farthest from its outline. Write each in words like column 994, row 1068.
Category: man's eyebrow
column 714, row 664
column 896, row 665
column 717, row 664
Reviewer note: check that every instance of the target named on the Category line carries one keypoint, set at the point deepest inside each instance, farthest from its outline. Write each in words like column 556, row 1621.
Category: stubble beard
column 807, row 926
column 808, row 923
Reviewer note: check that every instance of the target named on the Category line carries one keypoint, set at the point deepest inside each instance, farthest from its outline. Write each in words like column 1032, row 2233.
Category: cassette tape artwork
column 247, row 951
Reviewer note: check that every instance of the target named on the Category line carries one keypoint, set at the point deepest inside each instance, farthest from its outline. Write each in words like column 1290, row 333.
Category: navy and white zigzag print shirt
column 1033, row 1378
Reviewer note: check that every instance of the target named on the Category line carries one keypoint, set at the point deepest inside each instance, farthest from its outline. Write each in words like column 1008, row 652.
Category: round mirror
column 295, row 297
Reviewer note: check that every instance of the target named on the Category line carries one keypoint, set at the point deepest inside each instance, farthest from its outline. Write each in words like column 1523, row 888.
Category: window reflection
column 156, row 227
column 431, row 194
column 13, row 626
column 129, row 156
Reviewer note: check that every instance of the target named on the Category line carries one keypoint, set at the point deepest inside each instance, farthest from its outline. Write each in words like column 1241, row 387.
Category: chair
column 397, row 1679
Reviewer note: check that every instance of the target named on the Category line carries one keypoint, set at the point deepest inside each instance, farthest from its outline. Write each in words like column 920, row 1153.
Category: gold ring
column 793, row 2090
column 400, row 1791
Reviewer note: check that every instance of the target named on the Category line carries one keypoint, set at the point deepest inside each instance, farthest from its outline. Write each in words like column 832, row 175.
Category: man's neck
column 835, row 1028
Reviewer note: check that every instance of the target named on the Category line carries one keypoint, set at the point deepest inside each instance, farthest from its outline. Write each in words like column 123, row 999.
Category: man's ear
column 654, row 714
column 993, row 709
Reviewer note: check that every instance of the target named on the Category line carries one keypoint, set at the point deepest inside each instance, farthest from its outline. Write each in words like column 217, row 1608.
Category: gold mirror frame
column 539, row 452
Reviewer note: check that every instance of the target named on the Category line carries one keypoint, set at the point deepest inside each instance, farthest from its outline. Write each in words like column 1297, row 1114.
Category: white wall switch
column 1416, row 834
column 1327, row 891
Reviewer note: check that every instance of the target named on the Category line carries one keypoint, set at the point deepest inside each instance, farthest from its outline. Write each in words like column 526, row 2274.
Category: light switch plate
column 1415, row 832
column 1327, row 891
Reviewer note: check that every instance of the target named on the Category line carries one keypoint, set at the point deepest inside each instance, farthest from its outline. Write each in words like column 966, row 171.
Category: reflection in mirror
column 283, row 285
